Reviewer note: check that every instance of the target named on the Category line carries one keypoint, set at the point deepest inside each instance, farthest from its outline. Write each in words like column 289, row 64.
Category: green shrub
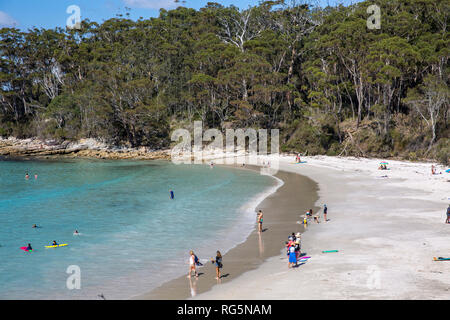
column 412, row 156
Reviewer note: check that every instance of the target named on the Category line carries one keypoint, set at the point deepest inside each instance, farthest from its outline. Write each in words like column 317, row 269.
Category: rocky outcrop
column 84, row 148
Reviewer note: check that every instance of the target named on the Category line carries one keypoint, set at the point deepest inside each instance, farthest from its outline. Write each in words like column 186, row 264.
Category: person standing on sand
column 259, row 220
column 297, row 248
column 299, row 242
column 218, row 263
column 192, row 265
column 448, row 214
column 292, row 256
column 325, row 211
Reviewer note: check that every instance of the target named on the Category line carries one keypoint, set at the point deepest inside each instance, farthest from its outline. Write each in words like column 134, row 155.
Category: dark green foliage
column 330, row 84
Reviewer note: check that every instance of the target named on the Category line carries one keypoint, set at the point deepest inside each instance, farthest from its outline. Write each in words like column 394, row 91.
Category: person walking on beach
column 218, row 263
column 448, row 215
column 192, row 265
column 259, row 220
column 325, row 211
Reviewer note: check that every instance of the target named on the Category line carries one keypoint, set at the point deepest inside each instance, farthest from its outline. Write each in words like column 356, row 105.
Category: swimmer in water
column 76, row 233
column 34, row 226
column 27, row 176
column 54, row 243
column 29, row 248
column 172, row 196
column 35, row 176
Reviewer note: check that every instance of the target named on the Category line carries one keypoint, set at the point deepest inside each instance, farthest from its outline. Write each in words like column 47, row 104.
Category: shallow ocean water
column 133, row 236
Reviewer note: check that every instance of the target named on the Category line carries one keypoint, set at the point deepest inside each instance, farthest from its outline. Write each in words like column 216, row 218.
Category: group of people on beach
column 194, row 261
column 433, row 170
column 293, row 246
column 382, row 166
column 309, row 215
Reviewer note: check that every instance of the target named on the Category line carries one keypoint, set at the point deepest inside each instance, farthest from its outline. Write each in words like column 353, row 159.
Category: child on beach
column 192, row 264
column 308, row 214
column 325, row 211
column 218, row 263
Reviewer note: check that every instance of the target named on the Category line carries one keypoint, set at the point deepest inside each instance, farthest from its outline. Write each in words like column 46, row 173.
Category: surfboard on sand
column 441, row 259
column 329, row 251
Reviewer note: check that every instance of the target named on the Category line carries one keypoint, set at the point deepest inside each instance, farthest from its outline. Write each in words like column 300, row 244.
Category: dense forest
column 327, row 81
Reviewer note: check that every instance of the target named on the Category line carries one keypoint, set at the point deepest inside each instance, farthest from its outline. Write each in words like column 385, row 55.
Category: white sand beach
column 387, row 231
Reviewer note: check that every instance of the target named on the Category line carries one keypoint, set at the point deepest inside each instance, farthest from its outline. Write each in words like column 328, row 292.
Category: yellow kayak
column 58, row 245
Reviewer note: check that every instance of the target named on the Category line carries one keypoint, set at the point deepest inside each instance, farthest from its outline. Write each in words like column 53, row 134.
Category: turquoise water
column 133, row 237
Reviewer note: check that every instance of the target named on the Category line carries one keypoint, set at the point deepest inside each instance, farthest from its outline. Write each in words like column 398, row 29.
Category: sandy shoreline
column 387, row 226
column 281, row 212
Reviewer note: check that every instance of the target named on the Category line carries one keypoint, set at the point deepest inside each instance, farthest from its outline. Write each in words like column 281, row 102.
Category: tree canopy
column 329, row 83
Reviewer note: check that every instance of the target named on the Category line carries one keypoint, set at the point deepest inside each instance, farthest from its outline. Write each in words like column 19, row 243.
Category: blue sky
column 25, row 14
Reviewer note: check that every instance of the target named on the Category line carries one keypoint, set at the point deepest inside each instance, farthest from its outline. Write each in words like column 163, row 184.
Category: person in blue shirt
column 172, row 196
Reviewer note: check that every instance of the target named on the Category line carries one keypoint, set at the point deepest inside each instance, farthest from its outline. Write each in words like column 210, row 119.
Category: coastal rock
column 84, row 148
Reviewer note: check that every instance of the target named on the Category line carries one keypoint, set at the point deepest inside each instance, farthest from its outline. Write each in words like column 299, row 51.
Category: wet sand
column 281, row 211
